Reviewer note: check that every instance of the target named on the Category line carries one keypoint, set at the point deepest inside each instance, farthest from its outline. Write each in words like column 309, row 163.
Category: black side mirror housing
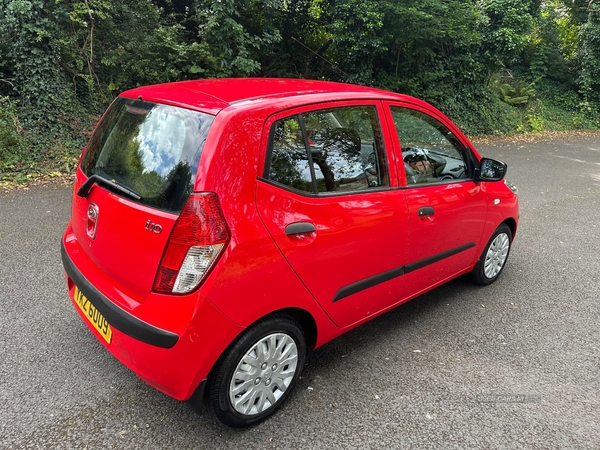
column 490, row 170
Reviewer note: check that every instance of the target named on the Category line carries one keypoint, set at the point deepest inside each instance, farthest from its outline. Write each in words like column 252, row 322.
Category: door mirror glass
column 491, row 169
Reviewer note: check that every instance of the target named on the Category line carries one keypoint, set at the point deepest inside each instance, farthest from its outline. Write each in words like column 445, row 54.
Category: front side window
column 430, row 151
column 328, row 151
column 150, row 149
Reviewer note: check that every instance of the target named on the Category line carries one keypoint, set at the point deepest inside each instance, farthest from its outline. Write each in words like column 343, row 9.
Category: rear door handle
column 300, row 228
column 426, row 211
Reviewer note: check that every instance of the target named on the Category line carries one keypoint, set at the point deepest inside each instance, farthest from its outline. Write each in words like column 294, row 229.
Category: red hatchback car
column 221, row 228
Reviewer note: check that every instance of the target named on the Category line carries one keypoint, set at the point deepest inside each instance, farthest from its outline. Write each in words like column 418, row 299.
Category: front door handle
column 300, row 228
column 426, row 211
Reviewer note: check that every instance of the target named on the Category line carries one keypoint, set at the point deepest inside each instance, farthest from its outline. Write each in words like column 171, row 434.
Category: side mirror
column 490, row 170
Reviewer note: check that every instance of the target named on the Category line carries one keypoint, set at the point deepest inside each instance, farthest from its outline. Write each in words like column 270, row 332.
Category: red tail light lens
column 198, row 238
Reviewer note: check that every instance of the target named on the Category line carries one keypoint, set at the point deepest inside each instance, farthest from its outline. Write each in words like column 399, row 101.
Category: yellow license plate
column 93, row 315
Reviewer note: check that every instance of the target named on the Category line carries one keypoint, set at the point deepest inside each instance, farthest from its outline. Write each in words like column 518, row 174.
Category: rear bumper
column 170, row 343
column 117, row 317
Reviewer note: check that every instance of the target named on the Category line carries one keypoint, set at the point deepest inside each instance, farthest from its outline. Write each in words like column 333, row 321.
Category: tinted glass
column 430, row 150
column 289, row 158
column 149, row 148
column 336, row 150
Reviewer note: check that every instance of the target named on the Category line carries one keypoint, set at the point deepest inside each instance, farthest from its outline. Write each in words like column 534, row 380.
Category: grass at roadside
column 535, row 137
column 58, row 167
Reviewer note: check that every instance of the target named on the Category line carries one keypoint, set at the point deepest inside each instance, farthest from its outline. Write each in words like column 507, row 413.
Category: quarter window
column 430, row 151
column 328, row 151
column 289, row 159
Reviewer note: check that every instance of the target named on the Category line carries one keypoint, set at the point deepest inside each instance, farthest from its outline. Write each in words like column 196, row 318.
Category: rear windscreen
column 151, row 149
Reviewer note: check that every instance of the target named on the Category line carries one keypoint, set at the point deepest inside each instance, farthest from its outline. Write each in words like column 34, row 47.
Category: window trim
column 311, row 164
column 299, row 113
column 470, row 157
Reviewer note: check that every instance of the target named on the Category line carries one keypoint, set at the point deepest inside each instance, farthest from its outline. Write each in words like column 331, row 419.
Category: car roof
column 212, row 95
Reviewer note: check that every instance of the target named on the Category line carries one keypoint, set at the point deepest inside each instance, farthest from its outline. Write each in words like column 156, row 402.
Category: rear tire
column 257, row 373
column 494, row 257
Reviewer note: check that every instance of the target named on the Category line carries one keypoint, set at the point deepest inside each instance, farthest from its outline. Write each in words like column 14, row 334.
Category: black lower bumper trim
column 117, row 317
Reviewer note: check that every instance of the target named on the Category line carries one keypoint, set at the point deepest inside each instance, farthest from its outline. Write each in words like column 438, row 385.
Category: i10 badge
column 154, row 227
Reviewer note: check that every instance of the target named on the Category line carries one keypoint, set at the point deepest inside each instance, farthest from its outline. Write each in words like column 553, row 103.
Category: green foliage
column 29, row 44
column 424, row 46
column 63, row 61
column 506, row 31
column 550, row 47
column 225, row 34
column 357, row 38
column 11, row 135
column 512, row 91
column 588, row 56
column 478, row 111
column 534, row 120
column 566, row 29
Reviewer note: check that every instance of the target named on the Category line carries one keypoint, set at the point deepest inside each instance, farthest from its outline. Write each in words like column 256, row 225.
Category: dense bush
column 494, row 66
column 11, row 135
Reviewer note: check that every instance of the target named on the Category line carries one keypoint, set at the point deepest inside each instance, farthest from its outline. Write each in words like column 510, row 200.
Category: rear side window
column 149, row 148
column 289, row 159
column 328, row 151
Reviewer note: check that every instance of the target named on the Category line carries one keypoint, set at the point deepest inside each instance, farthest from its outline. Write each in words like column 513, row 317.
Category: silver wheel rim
column 263, row 374
column 496, row 255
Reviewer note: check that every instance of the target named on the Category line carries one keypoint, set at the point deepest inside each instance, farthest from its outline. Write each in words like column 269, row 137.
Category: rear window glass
column 149, row 148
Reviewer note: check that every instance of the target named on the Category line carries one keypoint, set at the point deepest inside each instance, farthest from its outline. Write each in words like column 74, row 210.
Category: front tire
column 494, row 257
column 257, row 373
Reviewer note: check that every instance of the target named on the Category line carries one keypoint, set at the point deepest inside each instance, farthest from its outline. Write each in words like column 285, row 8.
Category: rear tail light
column 198, row 238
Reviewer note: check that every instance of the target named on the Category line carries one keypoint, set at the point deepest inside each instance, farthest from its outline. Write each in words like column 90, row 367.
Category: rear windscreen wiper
column 86, row 187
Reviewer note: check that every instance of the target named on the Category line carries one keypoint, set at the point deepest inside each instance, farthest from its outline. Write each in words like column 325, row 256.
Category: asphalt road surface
column 513, row 365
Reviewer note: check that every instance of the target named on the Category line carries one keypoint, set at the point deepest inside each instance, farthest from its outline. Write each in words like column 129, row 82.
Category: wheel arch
column 303, row 317
column 209, row 394
column 306, row 321
column 512, row 224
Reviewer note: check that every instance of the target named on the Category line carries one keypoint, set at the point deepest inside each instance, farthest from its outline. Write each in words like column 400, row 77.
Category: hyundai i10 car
column 220, row 229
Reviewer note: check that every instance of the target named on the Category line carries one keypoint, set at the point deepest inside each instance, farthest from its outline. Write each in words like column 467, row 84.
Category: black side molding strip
column 435, row 258
column 117, row 317
column 367, row 283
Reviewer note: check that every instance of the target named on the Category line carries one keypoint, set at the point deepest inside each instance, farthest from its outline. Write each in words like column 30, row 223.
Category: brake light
column 198, row 238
